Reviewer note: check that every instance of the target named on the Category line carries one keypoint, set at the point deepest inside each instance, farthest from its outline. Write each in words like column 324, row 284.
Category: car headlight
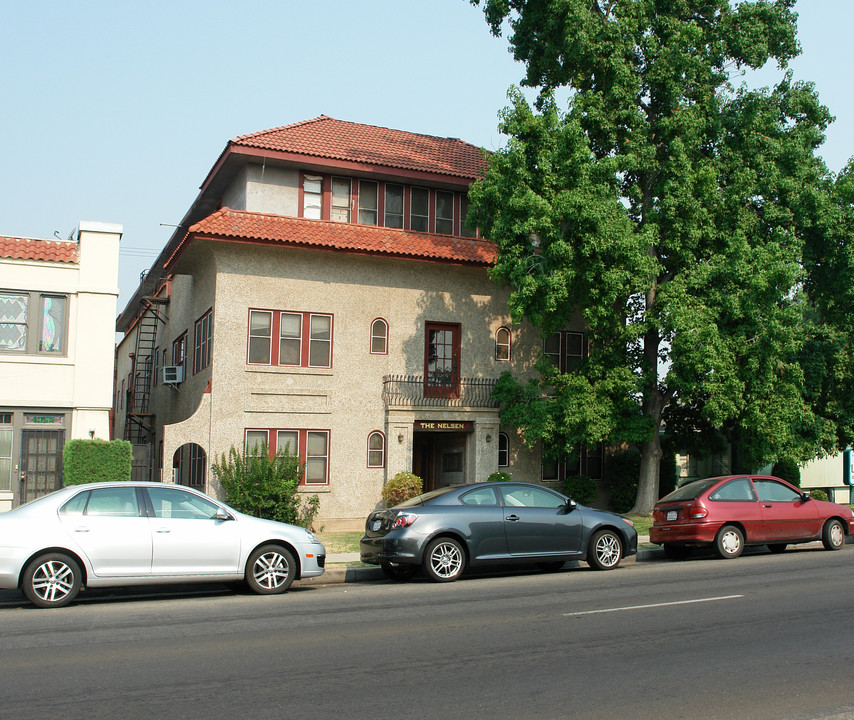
column 312, row 537
column 628, row 520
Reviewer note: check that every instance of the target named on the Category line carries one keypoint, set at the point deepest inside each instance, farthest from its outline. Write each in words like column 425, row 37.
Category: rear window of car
column 690, row 491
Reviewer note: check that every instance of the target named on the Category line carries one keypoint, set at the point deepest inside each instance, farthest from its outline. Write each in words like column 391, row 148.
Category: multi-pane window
column 33, row 323
column 589, row 462
column 340, row 211
column 502, row 344
column 312, row 191
column 6, row 454
column 444, row 212
column 368, row 208
column 303, row 339
column 393, row 206
column 310, row 446
column 376, row 450
column 156, row 377
column 419, row 209
column 260, row 336
column 379, row 337
column 566, row 350
column 202, row 343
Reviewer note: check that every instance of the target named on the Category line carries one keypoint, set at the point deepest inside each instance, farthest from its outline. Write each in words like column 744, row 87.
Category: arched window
column 376, row 450
column 502, row 344
column 379, row 337
column 503, row 450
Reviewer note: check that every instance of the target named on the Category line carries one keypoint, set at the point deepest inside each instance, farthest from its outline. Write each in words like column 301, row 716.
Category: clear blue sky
column 115, row 111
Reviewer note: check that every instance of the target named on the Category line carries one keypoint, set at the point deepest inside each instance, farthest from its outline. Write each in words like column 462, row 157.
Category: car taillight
column 403, row 520
column 697, row 512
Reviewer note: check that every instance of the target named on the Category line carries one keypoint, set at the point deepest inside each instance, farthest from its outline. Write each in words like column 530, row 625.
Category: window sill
column 288, row 370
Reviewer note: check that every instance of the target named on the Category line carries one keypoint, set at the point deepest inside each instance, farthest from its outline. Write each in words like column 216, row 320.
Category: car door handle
column 768, row 506
column 82, row 528
column 512, row 518
column 163, row 530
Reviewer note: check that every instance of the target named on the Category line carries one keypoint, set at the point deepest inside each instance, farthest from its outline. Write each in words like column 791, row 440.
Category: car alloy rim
column 270, row 570
column 53, row 580
column 608, row 550
column 837, row 537
column 730, row 542
column 446, row 560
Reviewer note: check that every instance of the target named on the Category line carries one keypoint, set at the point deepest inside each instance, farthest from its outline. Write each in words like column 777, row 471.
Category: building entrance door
column 41, row 463
column 439, row 458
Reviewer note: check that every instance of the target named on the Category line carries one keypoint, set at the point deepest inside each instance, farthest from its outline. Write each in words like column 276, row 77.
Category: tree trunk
column 649, row 472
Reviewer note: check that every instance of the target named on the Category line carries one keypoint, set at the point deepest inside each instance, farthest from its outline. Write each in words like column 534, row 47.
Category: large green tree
column 670, row 206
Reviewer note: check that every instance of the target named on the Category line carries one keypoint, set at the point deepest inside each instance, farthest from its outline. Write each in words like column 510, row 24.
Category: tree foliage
column 675, row 210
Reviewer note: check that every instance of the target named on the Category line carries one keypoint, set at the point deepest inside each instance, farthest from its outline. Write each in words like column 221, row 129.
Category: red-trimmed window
column 393, row 206
column 368, row 202
column 302, row 339
column 340, row 211
column 442, row 360
column 312, row 197
column 379, row 337
column 376, row 449
column 311, row 446
column 502, row 344
column 202, row 343
column 444, row 212
column 179, row 350
column 419, row 209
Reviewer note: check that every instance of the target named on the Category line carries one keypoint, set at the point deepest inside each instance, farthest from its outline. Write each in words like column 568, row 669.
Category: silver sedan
column 134, row 533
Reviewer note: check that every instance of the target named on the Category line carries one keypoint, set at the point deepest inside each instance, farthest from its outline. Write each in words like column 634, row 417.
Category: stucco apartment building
column 324, row 294
column 57, row 339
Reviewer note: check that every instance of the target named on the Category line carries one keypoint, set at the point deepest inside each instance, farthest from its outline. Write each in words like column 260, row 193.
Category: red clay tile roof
column 31, row 249
column 228, row 224
column 325, row 137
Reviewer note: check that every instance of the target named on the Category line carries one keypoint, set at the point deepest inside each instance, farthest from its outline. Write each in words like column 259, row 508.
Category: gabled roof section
column 239, row 226
column 326, row 137
column 32, row 249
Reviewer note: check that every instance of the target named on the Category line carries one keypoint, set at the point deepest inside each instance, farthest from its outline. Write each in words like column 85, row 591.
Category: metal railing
column 414, row 391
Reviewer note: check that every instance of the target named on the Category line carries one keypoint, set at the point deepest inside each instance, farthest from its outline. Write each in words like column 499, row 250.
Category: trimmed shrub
column 499, row 477
column 401, row 487
column 818, row 494
column 580, row 488
column 623, row 471
column 264, row 486
column 787, row 470
column 85, row 461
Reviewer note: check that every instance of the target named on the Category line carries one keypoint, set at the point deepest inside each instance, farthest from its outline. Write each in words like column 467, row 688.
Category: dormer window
column 312, row 189
column 444, row 212
column 340, row 200
column 368, row 209
column 393, row 206
column 419, row 209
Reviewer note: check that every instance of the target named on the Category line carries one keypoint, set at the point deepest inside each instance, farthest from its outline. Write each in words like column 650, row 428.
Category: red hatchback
column 731, row 512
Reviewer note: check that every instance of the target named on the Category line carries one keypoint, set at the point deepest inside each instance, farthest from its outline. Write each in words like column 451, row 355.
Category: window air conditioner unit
column 172, row 374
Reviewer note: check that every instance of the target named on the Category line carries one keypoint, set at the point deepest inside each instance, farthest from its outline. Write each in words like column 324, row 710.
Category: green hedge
column 85, row 461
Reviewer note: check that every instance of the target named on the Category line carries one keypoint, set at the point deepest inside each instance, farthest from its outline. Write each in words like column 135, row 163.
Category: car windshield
column 690, row 491
column 421, row 499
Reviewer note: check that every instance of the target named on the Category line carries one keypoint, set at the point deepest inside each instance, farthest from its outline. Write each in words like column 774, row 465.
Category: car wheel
column 729, row 542
column 605, row 550
column 444, row 560
column 676, row 552
column 270, row 570
column 398, row 571
column 52, row 580
column 553, row 566
column 777, row 547
column 833, row 535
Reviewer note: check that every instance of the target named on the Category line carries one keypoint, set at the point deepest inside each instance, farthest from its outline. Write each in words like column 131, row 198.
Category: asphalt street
column 763, row 637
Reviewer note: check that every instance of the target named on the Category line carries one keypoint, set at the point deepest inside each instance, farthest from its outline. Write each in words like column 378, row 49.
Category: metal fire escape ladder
column 139, row 420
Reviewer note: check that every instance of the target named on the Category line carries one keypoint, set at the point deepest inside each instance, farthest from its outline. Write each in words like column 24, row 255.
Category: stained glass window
column 13, row 321
column 52, row 323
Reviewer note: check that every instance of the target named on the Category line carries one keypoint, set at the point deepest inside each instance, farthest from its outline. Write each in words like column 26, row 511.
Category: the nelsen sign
column 462, row 426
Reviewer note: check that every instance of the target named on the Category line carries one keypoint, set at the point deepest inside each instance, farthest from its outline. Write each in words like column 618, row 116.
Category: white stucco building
column 57, row 339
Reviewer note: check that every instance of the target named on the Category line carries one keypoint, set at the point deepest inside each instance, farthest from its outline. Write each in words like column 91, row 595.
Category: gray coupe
column 445, row 531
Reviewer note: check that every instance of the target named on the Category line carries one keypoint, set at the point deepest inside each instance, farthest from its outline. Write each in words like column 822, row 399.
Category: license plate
column 376, row 525
column 672, row 515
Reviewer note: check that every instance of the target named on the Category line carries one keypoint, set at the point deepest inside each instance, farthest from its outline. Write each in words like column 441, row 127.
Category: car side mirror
column 571, row 505
column 222, row 515
column 805, row 496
